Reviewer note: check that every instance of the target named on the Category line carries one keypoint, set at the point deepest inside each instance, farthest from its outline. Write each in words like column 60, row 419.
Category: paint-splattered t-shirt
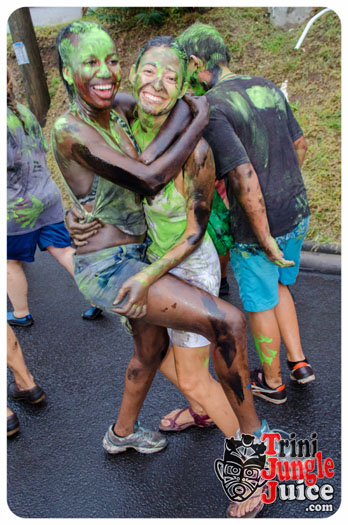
column 251, row 121
column 33, row 199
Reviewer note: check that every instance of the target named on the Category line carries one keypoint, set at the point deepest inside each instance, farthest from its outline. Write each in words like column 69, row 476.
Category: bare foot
column 184, row 418
column 239, row 510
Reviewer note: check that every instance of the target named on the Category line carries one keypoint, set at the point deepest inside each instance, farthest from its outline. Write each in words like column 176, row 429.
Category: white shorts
column 202, row 269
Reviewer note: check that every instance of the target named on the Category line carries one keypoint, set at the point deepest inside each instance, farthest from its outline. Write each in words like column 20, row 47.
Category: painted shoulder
column 66, row 124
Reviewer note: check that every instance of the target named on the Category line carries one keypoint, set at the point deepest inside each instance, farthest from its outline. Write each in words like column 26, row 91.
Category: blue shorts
column 23, row 247
column 99, row 275
column 258, row 278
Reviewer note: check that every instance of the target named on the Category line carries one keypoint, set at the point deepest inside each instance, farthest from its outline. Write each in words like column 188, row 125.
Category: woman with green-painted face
column 90, row 143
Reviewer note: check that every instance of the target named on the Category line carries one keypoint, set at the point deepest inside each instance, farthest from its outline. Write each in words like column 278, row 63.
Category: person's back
column 252, row 117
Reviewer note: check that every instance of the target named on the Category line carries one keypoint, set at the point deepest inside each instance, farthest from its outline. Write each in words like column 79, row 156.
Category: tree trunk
column 29, row 62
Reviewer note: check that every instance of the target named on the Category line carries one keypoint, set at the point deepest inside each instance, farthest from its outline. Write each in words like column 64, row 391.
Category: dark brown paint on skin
column 133, row 374
column 225, row 340
column 121, row 177
column 235, row 383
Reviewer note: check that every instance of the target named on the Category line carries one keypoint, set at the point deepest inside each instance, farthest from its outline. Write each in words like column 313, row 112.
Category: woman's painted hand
column 131, row 299
column 81, row 232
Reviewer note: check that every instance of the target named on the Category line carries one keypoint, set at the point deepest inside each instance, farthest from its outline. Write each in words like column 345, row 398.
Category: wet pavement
column 57, row 467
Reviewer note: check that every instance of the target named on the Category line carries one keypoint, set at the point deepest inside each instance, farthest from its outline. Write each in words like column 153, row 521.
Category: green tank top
column 112, row 203
column 166, row 219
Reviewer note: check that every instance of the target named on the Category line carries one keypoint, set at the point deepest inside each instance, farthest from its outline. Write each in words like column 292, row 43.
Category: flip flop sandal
column 198, row 421
column 252, row 513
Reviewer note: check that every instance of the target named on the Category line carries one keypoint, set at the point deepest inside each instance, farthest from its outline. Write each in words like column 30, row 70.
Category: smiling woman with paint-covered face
column 158, row 81
column 93, row 67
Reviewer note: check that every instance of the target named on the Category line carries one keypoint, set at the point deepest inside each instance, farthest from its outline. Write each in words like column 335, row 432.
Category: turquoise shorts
column 258, row 278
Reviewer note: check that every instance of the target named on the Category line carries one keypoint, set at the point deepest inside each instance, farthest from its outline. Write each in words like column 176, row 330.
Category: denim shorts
column 99, row 275
column 258, row 278
column 23, row 247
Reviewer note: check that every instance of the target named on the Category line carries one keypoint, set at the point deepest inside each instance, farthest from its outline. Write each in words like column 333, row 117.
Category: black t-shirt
column 251, row 121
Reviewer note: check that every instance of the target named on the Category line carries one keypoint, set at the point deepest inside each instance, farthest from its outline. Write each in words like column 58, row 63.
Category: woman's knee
column 238, row 324
column 193, row 384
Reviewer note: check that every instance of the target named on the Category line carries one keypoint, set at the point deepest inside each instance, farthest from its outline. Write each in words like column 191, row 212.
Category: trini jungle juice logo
column 249, row 463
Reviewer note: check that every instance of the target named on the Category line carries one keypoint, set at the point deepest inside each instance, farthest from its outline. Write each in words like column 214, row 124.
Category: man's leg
column 17, row 288
column 300, row 370
column 258, row 281
column 266, row 335
column 286, row 316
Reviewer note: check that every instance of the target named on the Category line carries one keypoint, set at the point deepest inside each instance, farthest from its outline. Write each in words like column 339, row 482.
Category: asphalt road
column 57, row 467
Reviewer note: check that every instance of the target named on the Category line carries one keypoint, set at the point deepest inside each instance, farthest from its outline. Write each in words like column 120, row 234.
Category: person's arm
column 246, row 187
column 175, row 125
column 124, row 104
column 86, row 147
column 300, row 146
column 199, row 188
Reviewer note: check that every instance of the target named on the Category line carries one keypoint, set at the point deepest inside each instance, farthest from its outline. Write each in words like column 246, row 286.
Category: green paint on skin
column 206, row 362
column 159, row 72
column 264, row 358
column 91, row 53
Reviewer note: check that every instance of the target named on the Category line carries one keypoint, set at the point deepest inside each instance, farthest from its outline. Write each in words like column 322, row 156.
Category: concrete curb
column 328, row 263
column 312, row 246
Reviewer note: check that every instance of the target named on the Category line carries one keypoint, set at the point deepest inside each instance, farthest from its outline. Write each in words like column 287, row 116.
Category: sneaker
column 260, row 389
column 301, row 372
column 32, row 395
column 265, row 429
column 92, row 313
column 19, row 321
column 142, row 440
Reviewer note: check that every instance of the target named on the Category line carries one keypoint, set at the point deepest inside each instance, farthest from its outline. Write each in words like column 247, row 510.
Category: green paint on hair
column 204, row 41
